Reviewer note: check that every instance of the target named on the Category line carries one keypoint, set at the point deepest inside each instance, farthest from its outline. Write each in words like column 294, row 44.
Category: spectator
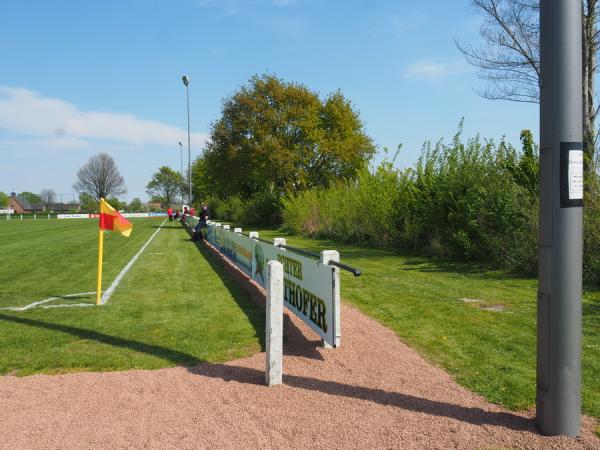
column 170, row 214
column 204, row 216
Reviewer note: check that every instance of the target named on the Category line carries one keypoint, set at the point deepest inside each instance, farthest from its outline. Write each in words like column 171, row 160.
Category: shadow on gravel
column 167, row 354
column 475, row 416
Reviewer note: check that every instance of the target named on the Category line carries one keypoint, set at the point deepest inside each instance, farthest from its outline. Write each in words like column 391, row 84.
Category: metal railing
column 356, row 272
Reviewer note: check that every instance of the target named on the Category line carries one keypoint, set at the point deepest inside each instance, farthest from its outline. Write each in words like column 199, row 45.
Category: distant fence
column 38, row 216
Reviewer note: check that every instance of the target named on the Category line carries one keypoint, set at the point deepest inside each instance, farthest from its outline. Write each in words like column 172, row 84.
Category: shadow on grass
column 475, row 416
column 252, row 302
column 252, row 310
column 167, row 354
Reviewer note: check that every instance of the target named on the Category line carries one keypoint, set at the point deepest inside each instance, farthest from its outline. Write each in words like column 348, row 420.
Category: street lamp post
column 181, row 167
column 186, row 81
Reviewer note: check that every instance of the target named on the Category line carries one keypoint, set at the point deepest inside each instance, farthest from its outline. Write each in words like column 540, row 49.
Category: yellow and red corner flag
column 110, row 219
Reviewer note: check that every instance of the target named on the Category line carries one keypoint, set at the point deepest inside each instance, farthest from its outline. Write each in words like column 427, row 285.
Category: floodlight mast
column 558, row 402
column 186, row 82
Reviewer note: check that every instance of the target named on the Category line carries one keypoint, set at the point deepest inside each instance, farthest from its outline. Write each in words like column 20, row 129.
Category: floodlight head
column 185, row 79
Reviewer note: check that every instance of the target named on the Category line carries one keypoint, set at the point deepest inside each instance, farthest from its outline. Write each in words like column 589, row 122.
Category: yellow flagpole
column 100, row 248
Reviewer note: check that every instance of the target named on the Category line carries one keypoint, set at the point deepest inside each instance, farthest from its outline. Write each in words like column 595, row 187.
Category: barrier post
column 21, row 216
column 274, row 331
column 237, row 230
column 253, row 235
column 34, row 216
column 326, row 256
column 226, row 227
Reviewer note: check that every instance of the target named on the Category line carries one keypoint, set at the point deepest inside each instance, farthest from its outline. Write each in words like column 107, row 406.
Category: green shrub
column 473, row 201
column 591, row 230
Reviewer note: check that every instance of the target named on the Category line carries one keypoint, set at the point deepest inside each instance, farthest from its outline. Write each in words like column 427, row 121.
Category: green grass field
column 489, row 352
column 174, row 306
column 177, row 306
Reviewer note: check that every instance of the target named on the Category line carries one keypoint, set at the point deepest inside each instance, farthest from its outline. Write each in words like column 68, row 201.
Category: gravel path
column 373, row 392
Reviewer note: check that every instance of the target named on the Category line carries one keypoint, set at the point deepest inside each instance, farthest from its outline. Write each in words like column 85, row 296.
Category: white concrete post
column 326, row 256
column 279, row 241
column 48, row 216
column 21, row 216
column 34, row 216
column 237, row 230
column 253, row 235
column 274, row 324
column 227, row 227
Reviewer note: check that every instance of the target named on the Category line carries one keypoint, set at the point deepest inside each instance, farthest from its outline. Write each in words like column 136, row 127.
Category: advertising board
column 72, row 216
column 309, row 285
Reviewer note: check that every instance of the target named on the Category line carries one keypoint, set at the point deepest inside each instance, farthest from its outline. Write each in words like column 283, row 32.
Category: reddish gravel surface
column 373, row 392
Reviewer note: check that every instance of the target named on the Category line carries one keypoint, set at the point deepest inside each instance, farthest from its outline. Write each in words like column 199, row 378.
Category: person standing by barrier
column 204, row 216
column 170, row 214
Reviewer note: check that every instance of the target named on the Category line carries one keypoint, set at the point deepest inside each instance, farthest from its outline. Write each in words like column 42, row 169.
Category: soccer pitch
column 175, row 305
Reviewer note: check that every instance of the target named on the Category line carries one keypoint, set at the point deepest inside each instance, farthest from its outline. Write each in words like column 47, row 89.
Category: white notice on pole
column 575, row 174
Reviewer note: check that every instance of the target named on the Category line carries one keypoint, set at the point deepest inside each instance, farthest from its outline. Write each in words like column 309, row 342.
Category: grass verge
column 479, row 325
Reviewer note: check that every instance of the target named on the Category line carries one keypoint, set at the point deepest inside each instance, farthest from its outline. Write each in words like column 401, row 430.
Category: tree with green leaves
column 30, row 197
column 3, row 199
column 281, row 137
column 135, row 205
column 165, row 186
column 88, row 203
column 116, row 203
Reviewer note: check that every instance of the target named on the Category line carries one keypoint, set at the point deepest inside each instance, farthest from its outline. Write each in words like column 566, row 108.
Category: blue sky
column 80, row 77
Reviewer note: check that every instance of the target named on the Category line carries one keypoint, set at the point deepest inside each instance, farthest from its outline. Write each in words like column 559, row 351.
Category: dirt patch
column 494, row 308
column 471, row 300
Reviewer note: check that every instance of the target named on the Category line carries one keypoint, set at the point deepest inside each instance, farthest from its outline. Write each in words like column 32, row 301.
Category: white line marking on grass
column 104, row 298
column 117, row 280
column 49, row 299
column 72, row 305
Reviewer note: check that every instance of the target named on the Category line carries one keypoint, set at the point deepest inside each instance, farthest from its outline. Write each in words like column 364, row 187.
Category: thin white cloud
column 57, row 122
column 435, row 69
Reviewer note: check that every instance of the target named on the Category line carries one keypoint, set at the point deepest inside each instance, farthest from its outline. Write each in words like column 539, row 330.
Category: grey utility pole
column 186, row 81
column 561, row 212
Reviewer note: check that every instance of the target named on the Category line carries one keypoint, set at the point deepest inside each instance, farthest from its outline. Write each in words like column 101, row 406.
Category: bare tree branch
column 509, row 58
column 100, row 178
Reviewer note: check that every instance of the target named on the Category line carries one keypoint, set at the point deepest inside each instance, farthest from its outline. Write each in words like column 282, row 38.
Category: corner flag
column 110, row 219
